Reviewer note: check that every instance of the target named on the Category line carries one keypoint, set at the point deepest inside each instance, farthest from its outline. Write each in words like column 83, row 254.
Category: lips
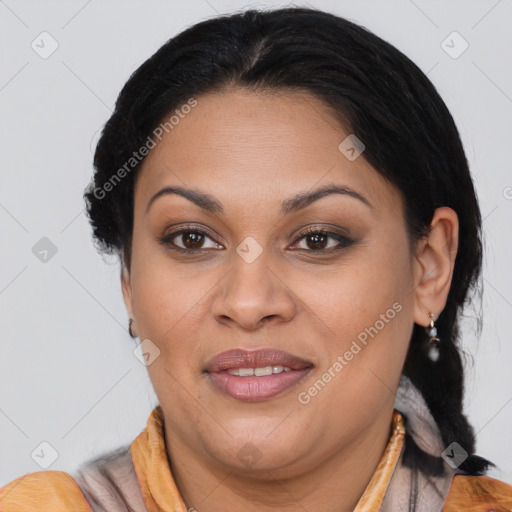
column 256, row 388
column 239, row 358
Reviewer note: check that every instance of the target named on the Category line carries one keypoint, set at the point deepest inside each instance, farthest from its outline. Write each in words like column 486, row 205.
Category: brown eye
column 318, row 240
column 189, row 240
column 315, row 240
column 192, row 239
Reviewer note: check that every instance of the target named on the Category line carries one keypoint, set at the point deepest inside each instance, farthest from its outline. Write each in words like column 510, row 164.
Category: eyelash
column 345, row 242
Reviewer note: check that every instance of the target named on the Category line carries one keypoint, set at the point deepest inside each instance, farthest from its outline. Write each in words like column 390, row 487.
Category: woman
column 298, row 232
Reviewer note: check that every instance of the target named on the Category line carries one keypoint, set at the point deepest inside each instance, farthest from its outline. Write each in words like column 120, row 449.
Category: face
column 248, row 275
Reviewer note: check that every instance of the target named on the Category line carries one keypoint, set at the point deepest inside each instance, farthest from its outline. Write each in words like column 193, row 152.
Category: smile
column 256, row 375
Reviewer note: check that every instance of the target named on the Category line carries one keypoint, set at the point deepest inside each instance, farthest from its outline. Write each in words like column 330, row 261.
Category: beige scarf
column 410, row 490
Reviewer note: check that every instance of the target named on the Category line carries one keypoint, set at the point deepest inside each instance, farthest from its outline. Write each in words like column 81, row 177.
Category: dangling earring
column 434, row 341
column 130, row 322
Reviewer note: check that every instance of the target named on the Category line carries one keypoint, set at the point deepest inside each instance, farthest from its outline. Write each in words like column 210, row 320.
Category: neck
column 332, row 483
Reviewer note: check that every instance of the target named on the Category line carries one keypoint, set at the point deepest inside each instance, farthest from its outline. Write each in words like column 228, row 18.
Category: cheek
column 365, row 310
column 159, row 299
column 168, row 308
column 364, row 287
column 168, row 311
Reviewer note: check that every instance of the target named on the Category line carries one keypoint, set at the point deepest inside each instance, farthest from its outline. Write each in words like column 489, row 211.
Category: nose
column 253, row 294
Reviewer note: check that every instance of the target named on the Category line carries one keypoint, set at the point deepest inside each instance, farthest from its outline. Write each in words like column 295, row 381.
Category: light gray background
column 68, row 373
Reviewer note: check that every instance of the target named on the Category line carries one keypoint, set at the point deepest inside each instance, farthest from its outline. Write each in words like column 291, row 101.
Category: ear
column 126, row 287
column 434, row 263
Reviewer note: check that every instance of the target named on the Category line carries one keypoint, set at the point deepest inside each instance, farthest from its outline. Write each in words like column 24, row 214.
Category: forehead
column 239, row 143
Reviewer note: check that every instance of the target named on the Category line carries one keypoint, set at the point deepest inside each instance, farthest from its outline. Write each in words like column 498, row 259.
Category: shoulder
column 43, row 490
column 478, row 494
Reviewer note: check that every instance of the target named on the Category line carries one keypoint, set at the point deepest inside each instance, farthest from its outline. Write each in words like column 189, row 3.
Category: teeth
column 258, row 372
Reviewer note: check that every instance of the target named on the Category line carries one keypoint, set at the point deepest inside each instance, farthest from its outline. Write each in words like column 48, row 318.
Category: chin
column 258, row 453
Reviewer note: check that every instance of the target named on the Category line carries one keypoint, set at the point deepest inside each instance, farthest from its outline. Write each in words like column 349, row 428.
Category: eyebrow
column 293, row 204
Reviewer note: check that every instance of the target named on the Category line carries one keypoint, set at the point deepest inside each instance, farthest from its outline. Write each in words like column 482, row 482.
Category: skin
column 251, row 151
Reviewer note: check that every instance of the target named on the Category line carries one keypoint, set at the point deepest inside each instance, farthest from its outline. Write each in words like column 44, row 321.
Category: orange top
column 57, row 490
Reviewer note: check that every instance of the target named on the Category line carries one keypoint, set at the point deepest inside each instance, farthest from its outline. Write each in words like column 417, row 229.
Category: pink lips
column 255, row 388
